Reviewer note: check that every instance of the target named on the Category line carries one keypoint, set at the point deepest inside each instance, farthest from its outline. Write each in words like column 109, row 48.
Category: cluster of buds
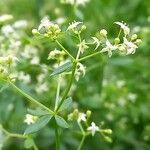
column 5, row 64
column 56, row 54
column 47, row 29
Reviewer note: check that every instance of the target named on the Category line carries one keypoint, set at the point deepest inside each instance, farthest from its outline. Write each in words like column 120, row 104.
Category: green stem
column 68, row 87
column 81, row 143
column 89, row 56
column 57, row 137
column 65, row 50
column 30, row 98
column 57, row 92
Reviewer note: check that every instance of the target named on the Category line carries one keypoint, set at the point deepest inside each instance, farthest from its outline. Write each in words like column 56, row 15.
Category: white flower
column 109, row 48
column 96, row 41
column 120, row 83
column 82, row 117
column 42, row 87
column 24, row 77
column 29, row 119
column 132, row 97
column 5, row 18
column 82, row 46
column 130, row 46
column 124, row 27
column 93, row 128
column 35, row 60
column 73, row 2
column 73, row 25
column 44, row 23
column 20, row 24
column 7, row 30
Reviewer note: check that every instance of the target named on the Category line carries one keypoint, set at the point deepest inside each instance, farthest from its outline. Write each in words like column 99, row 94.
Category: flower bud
column 134, row 37
column 83, row 28
column 35, row 32
column 117, row 40
column 88, row 113
column 103, row 33
column 138, row 41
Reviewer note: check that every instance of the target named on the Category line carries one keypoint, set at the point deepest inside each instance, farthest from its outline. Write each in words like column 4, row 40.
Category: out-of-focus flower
column 6, row 17
column 35, row 60
column 132, row 97
column 120, row 83
column 93, row 128
column 21, row 24
column 42, row 87
column 75, row 2
column 24, row 77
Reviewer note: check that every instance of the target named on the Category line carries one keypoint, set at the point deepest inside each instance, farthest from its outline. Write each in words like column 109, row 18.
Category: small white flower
column 82, row 117
column 35, row 60
column 29, row 119
column 109, row 48
column 120, row 83
column 73, row 25
column 45, row 22
column 42, row 87
column 20, row 24
column 96, row 41
column 82, row 46
column 24, row 77
column 124, row 27
column 130, row 46
column 93, row 128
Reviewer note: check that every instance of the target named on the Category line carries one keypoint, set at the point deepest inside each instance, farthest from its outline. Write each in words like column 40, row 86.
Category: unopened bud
column 117, row 40
column 133, row 37
column 103, row 33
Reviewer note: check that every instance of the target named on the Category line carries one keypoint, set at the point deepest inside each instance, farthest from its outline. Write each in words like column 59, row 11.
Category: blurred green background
column 117, row 89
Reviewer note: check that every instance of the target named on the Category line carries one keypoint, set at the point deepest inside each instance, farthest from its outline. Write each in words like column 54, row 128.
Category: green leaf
column 61, row 122
column 28, row 143
column 66, row 104
column 37, row 112
column 39, row 124
column 62, row 68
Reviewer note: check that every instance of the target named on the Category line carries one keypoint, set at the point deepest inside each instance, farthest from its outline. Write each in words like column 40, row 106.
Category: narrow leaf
column 66, row 104
column 61, row 122
column 62, row 68
column 37, row 112
column 39, row 124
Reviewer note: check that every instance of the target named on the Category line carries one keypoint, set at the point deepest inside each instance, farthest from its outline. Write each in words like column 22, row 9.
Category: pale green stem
column 57, row 136
column 31, row 99
column 89, row 56
column 65, row 50
column 58, row 92
column 81, row 143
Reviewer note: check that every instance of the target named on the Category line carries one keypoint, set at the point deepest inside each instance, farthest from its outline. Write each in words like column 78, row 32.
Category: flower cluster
column 30, row 119
column 47, row 29
column 81, row 118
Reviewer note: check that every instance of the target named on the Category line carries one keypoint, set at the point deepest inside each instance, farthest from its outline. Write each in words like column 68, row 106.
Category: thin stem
column 58, row 92
column 57, row 137
column 81, row 143
column 30, row 98
column 89, row 56
column 68, row 87
column 65, row 50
